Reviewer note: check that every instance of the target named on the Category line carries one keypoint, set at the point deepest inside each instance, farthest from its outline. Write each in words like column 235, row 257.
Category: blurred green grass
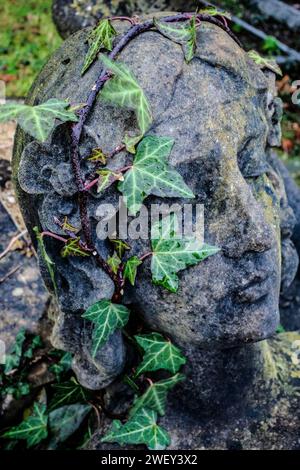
column 27, row 38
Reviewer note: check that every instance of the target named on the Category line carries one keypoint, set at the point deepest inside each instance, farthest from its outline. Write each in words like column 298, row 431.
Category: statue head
column 223, row 115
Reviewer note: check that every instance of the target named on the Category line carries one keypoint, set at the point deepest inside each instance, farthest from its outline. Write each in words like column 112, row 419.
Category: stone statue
column 70, row 16
column 242, row 389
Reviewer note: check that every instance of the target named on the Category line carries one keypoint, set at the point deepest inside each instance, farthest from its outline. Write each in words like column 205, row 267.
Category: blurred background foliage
column 27, row 38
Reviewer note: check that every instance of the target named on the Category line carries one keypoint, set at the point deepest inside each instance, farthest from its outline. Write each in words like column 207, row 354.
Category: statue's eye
column 252, row 158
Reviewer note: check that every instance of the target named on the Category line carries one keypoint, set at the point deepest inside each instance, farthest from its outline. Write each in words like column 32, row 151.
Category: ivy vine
column 149, row 173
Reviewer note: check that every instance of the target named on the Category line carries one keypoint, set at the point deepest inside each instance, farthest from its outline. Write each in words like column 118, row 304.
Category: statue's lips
column 254, row 290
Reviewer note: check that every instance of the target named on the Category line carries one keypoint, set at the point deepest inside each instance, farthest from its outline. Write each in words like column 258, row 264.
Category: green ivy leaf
column 171, row 254
column 130, row 270
column 107, row 317
column 213, row 11
column 114, row 262
column 107, row 178
column 100, row 37
column 38, row 121
column 48, row 261
column 140, row 429
column 155, row 397
column 120, row 246
column 265, row 63
column 73, row 248
column 98, row 155
column 67, row 393
column 33, row 429
column 14, row 357
column 131, row 142
column 184, row 34
column 159, row 354
column 64, row 365
column 35, row 343
column 64, row 421
column 123, row 90
column 151, row 174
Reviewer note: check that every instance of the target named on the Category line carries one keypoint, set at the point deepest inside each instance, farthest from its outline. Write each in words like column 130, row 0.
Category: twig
column 10, row 273
column 11, row 243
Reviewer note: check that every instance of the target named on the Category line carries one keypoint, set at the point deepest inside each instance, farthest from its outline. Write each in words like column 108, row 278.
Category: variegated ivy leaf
column 69, row 227
column 213, row 11
column 181, row 33
column 265, row 63
column 48, row 261
column 101, row 37
column 15, row 354
column 33, row 429
column 124, row 90
column 67, row 393
column 107, row 178
column 98, row 156
column 131, row 142
column 107, row 318
column 73, row 248
column 114, row 262
column 155, row 397
column 39, row 120
column 120, row 246
column 171, row 254
column 151, row 174
column 130, row 270
column 159, row 354
column 142, row 428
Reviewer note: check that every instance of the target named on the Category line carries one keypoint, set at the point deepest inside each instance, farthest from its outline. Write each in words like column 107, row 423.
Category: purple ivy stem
column 76, row 129
column 53, row 235
column 146, row 255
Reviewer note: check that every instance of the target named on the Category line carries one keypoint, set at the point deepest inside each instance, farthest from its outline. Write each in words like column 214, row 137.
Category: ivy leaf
column 265, row 63
column 131, row 142
column 155, row 397
column 38, row 121
column 140, row 429
column 114, row 262
column 35, row 343
column 64, row 421
column 107, row 318
column 14, row 357
column 100, row 37
column 123, row 90
column 67, row 393
column 171, row 254
column 213, row 11
column 48, row 261
column 159, row 354
column 184, row 34
column 98, row 156
column 130, row 270
column 74, row 248
column 151, row 174
column 64, row 365
column 120, row 246
column 107, row 178
column 68, row 227
column 33, row 429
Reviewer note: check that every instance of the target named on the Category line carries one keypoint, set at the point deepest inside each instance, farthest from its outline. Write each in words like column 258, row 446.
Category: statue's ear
column 274, row 110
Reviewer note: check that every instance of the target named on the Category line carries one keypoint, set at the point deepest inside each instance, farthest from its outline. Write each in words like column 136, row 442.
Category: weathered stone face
column 70, row 16
column 219, row 112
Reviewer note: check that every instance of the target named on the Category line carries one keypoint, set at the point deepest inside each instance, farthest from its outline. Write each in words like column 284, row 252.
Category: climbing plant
column 149, row 173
